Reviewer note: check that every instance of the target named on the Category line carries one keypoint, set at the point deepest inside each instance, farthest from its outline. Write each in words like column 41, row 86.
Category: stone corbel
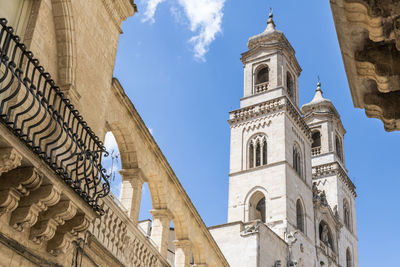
column 27, row 213
column 66, row 233
column 16, row 184
column 48, row 222
column 9, row 159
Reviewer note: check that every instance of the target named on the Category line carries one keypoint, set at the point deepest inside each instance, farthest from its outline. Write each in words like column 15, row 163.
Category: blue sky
column 179, row 62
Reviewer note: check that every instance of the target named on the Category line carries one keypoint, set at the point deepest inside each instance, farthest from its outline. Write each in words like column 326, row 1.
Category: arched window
column 257, row 151
column 257, row 209
column 251, row 155
column 300, row 216
column 262, row 75
column 316, row 137
column 297, row 162
column 349, row 260
column 346, row 215
column 339, row 148
column 325, row 235
column 264, row 152
column 289, row 84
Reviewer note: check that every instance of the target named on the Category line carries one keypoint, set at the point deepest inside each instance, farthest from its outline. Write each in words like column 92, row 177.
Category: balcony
column 35, row 111
column 315, row 151
column 261, row 87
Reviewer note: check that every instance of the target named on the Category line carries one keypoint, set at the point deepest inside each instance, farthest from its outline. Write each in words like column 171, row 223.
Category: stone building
column 291, row 202
column 369, row 38
column 58, row 99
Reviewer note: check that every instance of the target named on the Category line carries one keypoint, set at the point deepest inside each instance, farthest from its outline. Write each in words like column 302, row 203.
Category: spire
column 270, row 22
column 318, row 97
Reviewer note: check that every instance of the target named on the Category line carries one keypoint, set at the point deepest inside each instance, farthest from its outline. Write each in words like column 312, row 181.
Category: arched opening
column 346, row 215
column 349, row 259
column 264, row 152
column 262, row 75
column 297, row 162
column 300, row 218
column 257, row 151
column 325, row 235
column 339, row 148
column 316, row 137
column 145, row 204
column 112, row 163
column 289, row 84
column 251, row 155
column 257, row 207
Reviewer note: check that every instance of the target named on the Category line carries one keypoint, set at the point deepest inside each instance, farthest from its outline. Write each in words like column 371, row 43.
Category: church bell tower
column 270, row 164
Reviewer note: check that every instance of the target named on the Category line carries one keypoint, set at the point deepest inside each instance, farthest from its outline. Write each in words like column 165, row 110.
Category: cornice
column 239, row 116
column 119, row 10
column 334, row 168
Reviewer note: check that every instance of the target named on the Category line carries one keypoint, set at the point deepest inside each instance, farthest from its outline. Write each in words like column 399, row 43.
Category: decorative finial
column 270, row 22
column 319, row 85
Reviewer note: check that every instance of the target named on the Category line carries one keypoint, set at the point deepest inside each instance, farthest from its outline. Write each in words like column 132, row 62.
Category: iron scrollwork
column 39, row 114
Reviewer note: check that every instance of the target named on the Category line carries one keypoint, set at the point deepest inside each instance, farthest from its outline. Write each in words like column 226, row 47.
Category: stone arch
column 326, row 235
column 65, row 42
column 349, row 258
column 198, row 252
column 180, row 223
column 126, row 146
column 257, row 71
column 301, row 215
column 257, row 150
column 253, row 198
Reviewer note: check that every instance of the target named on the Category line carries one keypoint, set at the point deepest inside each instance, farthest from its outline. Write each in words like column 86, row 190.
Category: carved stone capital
column 9, row 159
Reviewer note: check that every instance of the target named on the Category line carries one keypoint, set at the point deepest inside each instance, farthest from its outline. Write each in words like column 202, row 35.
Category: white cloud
column 205, row 18
column 150, row 10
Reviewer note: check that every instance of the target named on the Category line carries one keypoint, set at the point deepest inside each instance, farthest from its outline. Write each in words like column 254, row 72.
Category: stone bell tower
column 330, row 176
column 270, row 170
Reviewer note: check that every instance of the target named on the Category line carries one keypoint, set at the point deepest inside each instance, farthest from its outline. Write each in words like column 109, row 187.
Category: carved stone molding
column 16, row 184
column 9, row 159
column 48, row 222
column 26, row 215
column 66, row 233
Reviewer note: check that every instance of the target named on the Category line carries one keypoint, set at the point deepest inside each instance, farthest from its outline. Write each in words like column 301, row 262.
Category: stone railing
column 269, row 106
column 116, row 232
column 261, row 87
column 315, row 151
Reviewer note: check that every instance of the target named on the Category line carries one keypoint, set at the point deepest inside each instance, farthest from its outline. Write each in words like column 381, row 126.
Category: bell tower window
column 257, row 151
column 339, row 148
column 297, row 162
column 261, row 79
column 289, row 84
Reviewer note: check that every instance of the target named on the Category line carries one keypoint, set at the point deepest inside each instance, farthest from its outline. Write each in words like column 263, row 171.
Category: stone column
column 200, row 265
column 131, row 192
column 182, row 253
column 160, row 229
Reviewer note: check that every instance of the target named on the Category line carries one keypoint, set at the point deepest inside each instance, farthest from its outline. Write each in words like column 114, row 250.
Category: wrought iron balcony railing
column 39, row 114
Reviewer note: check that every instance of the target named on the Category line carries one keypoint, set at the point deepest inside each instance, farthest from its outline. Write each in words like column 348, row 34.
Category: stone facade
column 369, row 38
column 48, row 216
column 290, row 202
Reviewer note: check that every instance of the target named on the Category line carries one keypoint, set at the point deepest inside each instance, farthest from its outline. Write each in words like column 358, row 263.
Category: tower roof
column 319, row 103
column 269, row 35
